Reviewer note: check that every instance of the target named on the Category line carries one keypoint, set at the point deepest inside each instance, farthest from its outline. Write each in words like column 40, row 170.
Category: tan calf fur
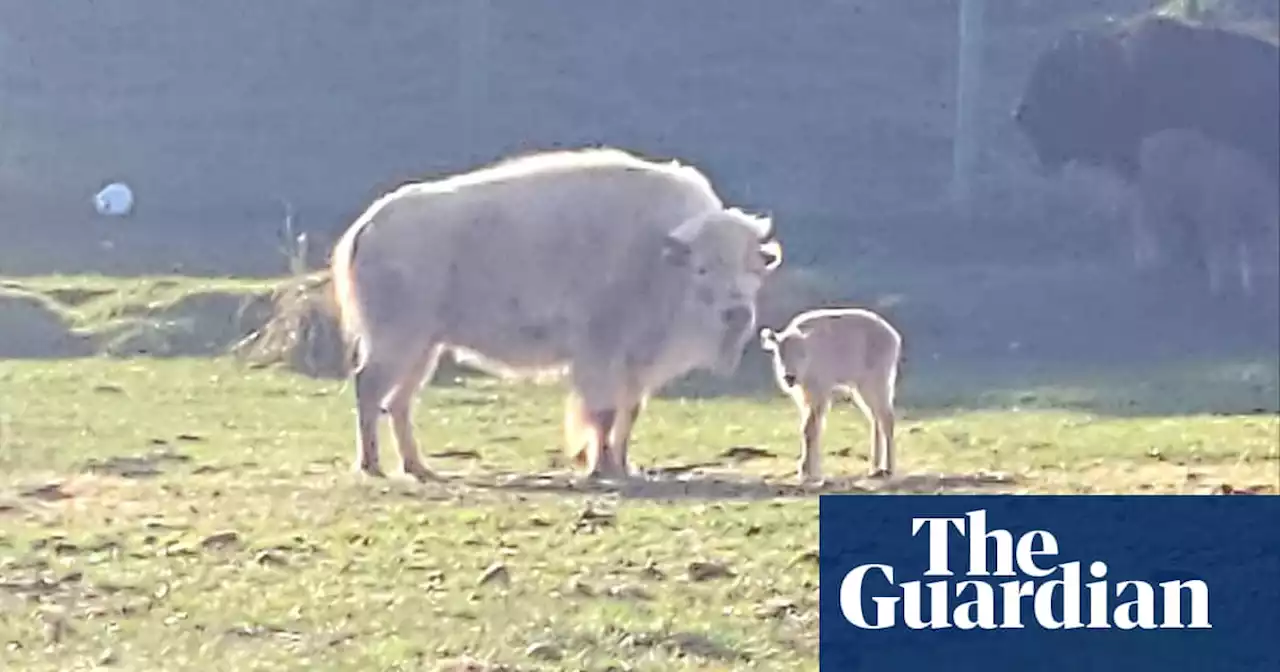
column 830, row 351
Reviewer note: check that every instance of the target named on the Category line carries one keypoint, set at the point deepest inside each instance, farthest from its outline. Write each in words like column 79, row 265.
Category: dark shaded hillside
column 833, row 117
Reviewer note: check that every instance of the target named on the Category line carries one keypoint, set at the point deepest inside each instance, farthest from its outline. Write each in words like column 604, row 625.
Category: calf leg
column 813, row 414
column 400, row 408
column 861, row 399
column 878, row 406
column 1246, row 269
column 1145, row 246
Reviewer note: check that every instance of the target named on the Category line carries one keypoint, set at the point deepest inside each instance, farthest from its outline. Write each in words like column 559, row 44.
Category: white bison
column 848, row 350
column 624, row 272
column 1198, row 195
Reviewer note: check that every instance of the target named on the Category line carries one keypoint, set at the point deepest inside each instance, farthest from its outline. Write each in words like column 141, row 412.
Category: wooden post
column 964, row 156
column 473, row 72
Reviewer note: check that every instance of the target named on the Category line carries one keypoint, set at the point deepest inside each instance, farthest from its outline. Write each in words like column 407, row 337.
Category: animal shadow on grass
column 139, row 466
column 697, row 482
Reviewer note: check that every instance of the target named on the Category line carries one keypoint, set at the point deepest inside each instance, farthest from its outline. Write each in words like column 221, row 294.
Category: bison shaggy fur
column 1095, row 94
column 624, row 272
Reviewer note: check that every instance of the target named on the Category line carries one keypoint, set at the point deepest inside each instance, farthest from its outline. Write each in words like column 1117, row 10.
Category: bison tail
column 346, row 297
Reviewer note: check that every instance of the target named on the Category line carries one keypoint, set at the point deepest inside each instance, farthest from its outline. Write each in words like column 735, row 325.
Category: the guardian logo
column 1054, row 594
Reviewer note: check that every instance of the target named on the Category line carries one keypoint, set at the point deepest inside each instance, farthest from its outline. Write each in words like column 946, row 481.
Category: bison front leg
column 400, row 408
column 598, row 383
column 599, row 452
column 575, row 430
column 621, row 440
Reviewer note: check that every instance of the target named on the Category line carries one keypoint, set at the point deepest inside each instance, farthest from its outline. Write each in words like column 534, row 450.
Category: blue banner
column 1047, row 583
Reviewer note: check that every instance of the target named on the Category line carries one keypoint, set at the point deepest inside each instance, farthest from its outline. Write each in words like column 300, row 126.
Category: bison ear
column 676, row 251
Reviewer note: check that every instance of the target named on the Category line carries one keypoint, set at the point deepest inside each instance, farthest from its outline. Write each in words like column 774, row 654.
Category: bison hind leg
column 378, row 379
column 399, row 405
column 372, row 383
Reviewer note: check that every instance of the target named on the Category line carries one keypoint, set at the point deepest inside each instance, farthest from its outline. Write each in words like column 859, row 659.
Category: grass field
column 179, row 513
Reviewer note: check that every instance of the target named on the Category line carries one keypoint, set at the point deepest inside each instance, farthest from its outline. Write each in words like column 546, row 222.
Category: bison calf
column 847, row 350
column 1201, row 200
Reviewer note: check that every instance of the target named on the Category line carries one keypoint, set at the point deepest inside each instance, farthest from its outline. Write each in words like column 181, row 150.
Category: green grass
column 176, row 514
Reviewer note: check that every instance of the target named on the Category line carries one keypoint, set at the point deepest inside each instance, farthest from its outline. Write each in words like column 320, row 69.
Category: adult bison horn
column 771, row 253
column 770, row 233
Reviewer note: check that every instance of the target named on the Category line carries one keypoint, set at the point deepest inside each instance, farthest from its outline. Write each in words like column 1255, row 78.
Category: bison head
column 725, row 256
column 1077, row 104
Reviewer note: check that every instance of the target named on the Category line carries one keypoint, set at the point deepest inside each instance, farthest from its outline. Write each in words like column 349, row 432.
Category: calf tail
column 346, row 295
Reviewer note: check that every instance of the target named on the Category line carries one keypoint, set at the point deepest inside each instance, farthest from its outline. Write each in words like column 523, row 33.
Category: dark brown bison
column 1094, row 95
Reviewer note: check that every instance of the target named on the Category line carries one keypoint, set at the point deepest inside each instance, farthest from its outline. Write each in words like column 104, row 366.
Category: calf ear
column 676, row 252
column 768, row 339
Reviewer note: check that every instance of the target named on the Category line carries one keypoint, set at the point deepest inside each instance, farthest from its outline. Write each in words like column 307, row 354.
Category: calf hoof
column 879, row 473
column 420, row 473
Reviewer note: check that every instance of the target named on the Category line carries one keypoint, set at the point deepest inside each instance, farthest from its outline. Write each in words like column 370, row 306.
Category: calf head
column 789, row 355
column 724, row 257
column 1077, row 105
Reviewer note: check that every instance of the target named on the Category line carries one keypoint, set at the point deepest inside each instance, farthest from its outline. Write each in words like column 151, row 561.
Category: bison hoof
column 369, row 470
column 605, row 476
column 809, row 478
